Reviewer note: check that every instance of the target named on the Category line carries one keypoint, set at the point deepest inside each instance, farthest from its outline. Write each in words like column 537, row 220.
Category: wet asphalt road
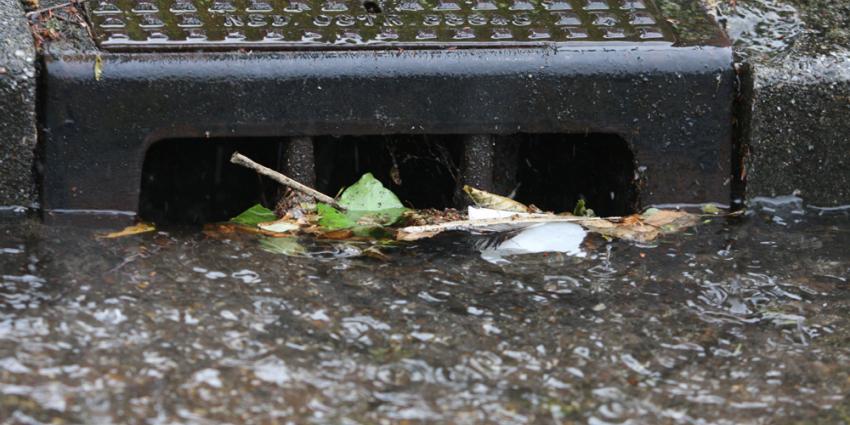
column 735, row 321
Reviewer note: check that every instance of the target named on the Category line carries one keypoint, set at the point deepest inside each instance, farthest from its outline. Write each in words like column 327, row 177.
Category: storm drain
column 624, row 103
column 191, row 181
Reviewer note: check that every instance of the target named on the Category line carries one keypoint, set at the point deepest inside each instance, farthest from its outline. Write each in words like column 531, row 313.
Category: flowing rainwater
column 740, row 320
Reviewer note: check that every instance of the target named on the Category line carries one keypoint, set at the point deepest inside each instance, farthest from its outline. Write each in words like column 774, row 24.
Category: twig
column 412, row 233
column 48, row 9
column 244, row 161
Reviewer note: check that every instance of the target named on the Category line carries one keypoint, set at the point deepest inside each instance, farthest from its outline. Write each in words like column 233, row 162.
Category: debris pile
column 368, row 211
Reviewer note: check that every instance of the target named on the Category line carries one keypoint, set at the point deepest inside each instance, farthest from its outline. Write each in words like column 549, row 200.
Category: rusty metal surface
column 223, row 24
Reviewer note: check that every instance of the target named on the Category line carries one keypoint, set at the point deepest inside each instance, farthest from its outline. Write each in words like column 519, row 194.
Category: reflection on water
column 765, row 27
column 742, row 321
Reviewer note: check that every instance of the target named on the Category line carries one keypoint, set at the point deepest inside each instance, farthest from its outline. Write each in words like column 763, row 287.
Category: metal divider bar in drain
column 181, row 23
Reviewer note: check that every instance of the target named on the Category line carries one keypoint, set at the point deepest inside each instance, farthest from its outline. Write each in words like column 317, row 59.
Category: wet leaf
column 254, row 216
column 285, row 246
column 369, row 208
column 669, row 221
column 332, row 219
column 337, row 235
column 710, row 209
column 489, row 200
column 368, row 224
column 645, row 227
column 129, row 230
column 581, row 209
column 639, row 228
column 283, row 225
column 634, row 231
column 98, row 68
column 368, row 194
column 220, row 230
column 376, row 218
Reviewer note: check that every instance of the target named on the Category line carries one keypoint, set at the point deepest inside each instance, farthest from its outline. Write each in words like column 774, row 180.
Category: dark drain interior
column 191, row 181
column 555, row 171
column 422, row 170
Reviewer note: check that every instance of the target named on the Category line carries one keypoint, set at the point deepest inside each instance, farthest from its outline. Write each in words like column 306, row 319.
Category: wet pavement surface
column 765, row 30
column 735, row 321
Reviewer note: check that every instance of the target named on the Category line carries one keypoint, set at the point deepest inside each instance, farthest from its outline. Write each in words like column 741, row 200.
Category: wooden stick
column 412, row 233
column 244, row 161
column 48, row 9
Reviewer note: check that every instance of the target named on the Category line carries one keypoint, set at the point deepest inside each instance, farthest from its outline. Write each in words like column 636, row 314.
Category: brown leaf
column 337, row 234
column 283, row 225
column 631, row 220
column 669, row 221
column 216, row 230
column 486, row 199
column 129, row 230
column 637, row 232
column 401, row 235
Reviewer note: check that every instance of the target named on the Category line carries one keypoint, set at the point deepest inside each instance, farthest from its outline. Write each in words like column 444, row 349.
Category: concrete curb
column 795, row 122
column 17, row 107
column 800, row 130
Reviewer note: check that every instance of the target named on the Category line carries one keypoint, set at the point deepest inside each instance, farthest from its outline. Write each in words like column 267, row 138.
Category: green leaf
column 369, row 207
column 580, row 209
column 368, row 194
column 285, row 246
column 650, row 212
column 374, row 232
column 363, row 223
column 386, row 217
column 331, row 219
column 710, row 209
column 255, row 215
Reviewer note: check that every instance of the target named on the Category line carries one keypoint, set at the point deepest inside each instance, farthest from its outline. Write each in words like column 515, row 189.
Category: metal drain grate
column 656, row 74
column 397, row 23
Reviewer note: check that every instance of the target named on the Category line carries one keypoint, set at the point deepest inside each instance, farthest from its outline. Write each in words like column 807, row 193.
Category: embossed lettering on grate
column 305, row 23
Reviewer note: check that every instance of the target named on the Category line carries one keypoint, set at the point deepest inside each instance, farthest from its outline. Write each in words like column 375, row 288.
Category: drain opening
column 371, row 6
column 191, row 181
column 555, row 171
column 422, row 170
